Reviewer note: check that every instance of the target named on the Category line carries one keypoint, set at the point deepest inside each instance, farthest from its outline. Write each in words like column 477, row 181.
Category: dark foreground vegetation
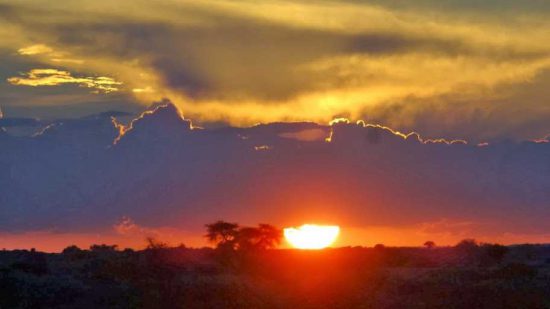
column 468, row 275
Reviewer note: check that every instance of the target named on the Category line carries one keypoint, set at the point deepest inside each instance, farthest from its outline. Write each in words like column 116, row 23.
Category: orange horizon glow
column 48, row 241
column 311, row 236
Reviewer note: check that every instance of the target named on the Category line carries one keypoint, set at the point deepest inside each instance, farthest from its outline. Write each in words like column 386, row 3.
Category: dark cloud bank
column 75, row 175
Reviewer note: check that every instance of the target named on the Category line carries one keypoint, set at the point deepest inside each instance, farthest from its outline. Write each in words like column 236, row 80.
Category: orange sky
column 389, row 236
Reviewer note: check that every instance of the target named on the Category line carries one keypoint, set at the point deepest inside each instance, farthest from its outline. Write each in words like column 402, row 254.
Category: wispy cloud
column 42, row 50
column 35, row 50
column 55, row 77
column 68, row 60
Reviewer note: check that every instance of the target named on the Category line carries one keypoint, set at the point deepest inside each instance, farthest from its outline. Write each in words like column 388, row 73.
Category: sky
column 462, row 69
column 469, row 77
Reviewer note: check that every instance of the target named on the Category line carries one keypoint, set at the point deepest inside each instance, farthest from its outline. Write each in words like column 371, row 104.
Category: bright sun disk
column 311, row 236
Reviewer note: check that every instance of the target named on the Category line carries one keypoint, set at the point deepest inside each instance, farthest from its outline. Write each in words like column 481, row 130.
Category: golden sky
column 461, row 69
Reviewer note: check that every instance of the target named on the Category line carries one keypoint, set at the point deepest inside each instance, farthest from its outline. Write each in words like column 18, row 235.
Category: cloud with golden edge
column 49, row 53
column 124, row 129
column 414, row 135
column 35, row 50
column 405, row 136
column 55, row 77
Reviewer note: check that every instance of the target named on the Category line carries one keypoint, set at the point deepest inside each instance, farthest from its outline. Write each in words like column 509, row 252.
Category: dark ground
column 466, row 276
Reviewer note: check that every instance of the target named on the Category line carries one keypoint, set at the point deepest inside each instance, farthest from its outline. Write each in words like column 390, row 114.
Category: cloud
column 35, row 50
column 161, row 120
column 441, row 67
column 308, row 135
column 72, row 61
column 41, row 50
column 141, row 90
column 127, row 227
column 376, row 132
column 262, row 148
column 55, row 77
column 72, row 178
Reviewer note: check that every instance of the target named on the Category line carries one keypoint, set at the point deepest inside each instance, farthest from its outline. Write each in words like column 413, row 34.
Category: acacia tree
column 269, row 236
column 231, row 236
column 263, row 237
column 468, row 251
column 429, row 244
column 222, row 233
column 247, row 238
column 467, row 246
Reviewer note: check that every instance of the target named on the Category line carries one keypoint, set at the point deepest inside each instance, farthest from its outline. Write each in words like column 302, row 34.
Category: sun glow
column 311, row 236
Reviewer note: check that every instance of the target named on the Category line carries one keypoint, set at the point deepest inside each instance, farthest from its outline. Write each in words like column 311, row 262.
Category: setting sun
column 311, row 236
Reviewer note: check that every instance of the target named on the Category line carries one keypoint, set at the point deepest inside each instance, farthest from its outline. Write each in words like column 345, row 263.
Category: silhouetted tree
column 73, row 252
column 467, row 245
column 468, row 250
column 247, row 237
column 154, row 244
column 263, row 237
column 103, row 248
column 429, row 244
column 156, row 252
column 70, row 250
column 270, row 236
column 222, row 233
